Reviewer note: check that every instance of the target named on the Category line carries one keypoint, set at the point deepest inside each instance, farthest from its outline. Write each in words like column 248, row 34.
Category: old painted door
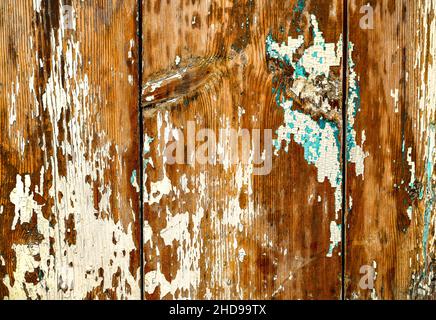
column 216, row 149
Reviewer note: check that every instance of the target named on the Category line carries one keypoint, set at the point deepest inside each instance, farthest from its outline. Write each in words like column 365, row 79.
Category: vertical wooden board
column 391, row 218
column 69, row 226
column 220, row 229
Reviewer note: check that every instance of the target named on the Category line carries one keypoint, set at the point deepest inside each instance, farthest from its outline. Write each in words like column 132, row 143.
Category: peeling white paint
column 101, row 251
column 22, row 198
column 335, row 237
column 412, row 167
column 395, row 94
column 37, row 5
column 241, row 255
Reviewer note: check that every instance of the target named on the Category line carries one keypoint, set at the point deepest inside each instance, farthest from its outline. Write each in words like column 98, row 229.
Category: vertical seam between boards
column 344, row 141
column 141, row 148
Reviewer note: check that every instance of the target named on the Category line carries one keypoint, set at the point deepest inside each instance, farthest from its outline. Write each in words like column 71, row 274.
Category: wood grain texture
column 69, row 145
column 226, row 87
column 391, row 221
column 217, row 230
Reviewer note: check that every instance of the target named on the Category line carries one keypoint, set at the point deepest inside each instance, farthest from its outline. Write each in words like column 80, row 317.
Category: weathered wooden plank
column 69, row 224
column 391, row 218
column 216, row 229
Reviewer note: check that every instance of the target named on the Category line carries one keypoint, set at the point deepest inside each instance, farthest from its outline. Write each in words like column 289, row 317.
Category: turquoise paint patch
column 320, row 138
column 299, row 72
column 147, row 141
column 133, row 178
column 272, row 53
column 308, row 138
column 299, row 7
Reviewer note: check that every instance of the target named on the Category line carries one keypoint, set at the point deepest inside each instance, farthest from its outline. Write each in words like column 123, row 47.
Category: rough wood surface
column 69, row 226
column 216, row 230
column 391, row 218
column 226, row 87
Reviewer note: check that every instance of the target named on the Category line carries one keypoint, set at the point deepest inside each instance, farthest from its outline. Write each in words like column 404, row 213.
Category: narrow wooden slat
column 69, row 226
column 217, row 230
column 390, row 225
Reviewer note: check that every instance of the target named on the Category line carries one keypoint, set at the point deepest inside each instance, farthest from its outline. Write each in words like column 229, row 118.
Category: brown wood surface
column 69, row 144
column 382, row 232
column 74, row 123
column 230, row 234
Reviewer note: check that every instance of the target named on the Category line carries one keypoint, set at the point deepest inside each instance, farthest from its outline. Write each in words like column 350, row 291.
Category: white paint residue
column 410, row 212
column 335, row 237
column 184, row 184
column 132, row 45
column 159, row 189
column 321, row 56
column 13, row 102
column 373, row 291
column 100, row 252
column 395, row 94
column 176, row 229
column 412, row 167
column 37, row 5
column 22, row 198
column 177, row 232
column 147, row 232
column 241, row 255
column 356, row 153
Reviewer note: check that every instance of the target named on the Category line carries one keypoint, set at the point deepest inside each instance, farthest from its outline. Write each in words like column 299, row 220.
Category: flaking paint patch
column 335, row 237
column 182, row 229
column 134, row 181
column 22, row 198
column 188, row 243
column 319, row 137
column 355, row 153
column 395, row 94
column 100, row 253
column 37, row 5
column 412, row 166
column 163, row 187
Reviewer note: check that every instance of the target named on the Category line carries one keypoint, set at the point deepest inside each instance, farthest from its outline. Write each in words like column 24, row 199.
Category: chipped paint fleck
column 411, row 163
column 134, row 181
column 335, row 237
column 241, row 255
column 395, row 94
